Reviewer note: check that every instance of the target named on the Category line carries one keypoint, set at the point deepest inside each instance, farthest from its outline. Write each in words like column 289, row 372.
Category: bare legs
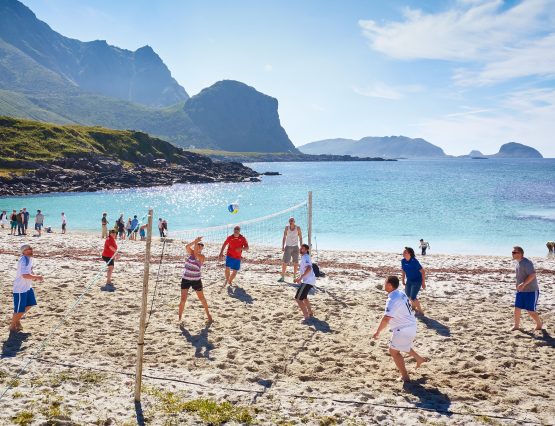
column 400, row 362
column 416, row 306
column 306, row 309
column 284, row 269
column 533, row 315
column 109, row 274
column 16, row 320
column 230, row 275
column 200, row 295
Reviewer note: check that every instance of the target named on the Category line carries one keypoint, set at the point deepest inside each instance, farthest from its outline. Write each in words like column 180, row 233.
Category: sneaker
column 281, row 280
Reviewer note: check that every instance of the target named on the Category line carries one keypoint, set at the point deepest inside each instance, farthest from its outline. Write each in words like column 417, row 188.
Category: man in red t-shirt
column 108, row 255
column 236, row 244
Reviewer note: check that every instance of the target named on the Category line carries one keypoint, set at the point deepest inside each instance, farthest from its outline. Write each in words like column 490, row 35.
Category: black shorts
column 187, row 284
column 108, row 260
column 302, row 292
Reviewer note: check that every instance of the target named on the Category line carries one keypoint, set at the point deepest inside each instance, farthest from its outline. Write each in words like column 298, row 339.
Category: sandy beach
column 258, row 356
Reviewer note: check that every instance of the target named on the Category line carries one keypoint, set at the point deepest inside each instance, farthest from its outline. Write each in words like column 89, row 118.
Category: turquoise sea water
column 459, row 206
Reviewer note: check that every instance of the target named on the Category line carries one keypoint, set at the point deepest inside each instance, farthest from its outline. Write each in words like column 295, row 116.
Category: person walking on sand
column 527, row 288
column 25, row 220
column 402, row 324
column 108, row 256
column 424, row 245
column 64, row 223
column 39, row 222
column 134, row 228
column 13, row 222
column 414, row 278
column 192, row 277
column 161, row 227
column 121, row 227
column 306, row 279
column 20, row 223
column 236, row 245
column 4, row 219
column 23, row 293
column 292, row 237
column 129, row 228
column 104, row 222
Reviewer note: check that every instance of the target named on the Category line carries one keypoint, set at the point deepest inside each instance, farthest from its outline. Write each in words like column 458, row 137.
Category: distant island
column 402, row 147
column 508, row 150
column 387, row 146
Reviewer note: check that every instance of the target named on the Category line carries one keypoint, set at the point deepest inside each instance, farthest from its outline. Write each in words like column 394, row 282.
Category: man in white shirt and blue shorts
column 23, row 294
column 402, row 323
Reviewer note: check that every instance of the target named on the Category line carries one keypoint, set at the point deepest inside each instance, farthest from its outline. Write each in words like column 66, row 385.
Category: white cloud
column 384, row 91
column 523, row 116
column 503, row 43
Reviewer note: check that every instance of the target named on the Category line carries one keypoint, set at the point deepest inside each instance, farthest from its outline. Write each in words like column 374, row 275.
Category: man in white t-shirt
column 307, row 279
column 402, row 323
column 23, row 294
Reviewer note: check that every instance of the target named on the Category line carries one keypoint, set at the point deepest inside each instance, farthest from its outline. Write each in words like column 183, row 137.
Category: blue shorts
column 22, row 300
column 412, row 288
column 38, row 226
column 232, row 263
column 527, row 300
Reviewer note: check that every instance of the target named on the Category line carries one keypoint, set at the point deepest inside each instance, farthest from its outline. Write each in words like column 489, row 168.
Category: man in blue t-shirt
column 414, row 278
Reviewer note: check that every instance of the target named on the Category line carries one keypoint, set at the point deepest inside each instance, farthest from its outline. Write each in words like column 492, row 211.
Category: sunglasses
column 515, row 252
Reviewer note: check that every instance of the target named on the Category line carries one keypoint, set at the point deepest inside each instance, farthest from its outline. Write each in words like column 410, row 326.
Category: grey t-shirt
column 525, row 268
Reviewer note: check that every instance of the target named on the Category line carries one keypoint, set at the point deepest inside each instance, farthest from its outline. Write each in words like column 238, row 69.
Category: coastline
column 258, row 356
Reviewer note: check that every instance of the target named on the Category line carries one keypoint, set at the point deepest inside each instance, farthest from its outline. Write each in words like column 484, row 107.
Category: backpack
column 317, row 272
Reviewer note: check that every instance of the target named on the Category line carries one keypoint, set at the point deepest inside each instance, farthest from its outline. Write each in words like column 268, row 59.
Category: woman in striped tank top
column 192, row 276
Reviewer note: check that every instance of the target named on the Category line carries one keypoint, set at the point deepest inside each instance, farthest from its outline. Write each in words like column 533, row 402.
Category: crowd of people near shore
column 401, row 307
column 18, row 222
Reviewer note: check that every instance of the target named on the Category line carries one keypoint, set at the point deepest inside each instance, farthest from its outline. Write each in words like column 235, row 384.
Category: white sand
column 257, row 353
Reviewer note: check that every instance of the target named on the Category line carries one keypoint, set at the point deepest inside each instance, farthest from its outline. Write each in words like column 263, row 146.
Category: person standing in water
column 192, row 276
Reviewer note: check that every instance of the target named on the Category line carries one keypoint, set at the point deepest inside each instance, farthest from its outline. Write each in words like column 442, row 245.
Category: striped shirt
column 192, row 269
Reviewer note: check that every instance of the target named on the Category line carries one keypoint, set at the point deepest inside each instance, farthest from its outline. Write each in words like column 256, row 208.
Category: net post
column 142, row 325
column 310, row 219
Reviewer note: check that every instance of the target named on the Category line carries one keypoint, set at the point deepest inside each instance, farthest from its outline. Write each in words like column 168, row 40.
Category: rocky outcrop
column 236, row 117
column 95, row 173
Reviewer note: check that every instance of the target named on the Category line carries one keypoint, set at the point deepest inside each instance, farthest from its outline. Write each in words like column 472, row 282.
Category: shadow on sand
column 320, row 325
column 199, row 341
column 440, row 328
column 240, row 294
column 543, row 338
column 12, row 345
column 430, row 398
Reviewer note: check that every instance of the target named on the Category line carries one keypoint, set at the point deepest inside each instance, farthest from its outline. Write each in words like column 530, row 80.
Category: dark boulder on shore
column 93, row 172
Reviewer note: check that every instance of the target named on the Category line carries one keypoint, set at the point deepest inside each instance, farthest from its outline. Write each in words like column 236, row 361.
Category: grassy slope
column 30, row 140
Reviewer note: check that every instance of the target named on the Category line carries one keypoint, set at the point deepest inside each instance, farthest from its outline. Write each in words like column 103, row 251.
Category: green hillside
column 41, row 142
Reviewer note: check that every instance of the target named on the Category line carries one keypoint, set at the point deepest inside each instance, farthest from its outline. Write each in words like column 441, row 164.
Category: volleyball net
column 266, row 230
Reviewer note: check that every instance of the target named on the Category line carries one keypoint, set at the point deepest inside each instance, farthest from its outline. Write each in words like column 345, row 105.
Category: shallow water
column 459, row 206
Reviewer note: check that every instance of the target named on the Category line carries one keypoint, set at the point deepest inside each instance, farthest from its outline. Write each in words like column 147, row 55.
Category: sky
column 463, row 74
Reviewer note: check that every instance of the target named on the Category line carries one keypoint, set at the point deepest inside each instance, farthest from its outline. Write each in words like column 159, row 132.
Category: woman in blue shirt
column 414, row 278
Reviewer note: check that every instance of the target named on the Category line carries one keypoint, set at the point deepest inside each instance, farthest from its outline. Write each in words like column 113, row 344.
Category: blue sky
column 464, row 74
